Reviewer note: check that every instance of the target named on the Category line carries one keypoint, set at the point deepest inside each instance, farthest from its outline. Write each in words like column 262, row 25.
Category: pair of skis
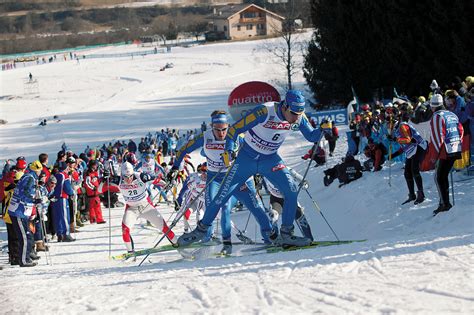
column 254, row 249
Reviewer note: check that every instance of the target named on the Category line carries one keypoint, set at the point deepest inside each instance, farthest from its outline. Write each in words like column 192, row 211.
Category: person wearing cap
column 446, row 137
column 9, row 182
column 414, row 146
column 139, row 205
column 212, row 143
column 148, row 165
column 192, row 188
column 22, row 208
column 265, row 128
column 62, row 192
column 91, row 184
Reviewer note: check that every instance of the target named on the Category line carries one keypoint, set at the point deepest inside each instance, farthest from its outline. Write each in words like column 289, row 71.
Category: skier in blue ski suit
column 265, row 128
column 213, row 146
column 22, row 208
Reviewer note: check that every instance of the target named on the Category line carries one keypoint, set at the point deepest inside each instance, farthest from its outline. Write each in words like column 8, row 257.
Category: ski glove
column 228, row 156
column 177, row 206
column 304, row 184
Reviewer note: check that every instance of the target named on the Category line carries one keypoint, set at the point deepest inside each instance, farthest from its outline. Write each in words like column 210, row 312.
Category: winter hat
column 52, row 180
column 70, row 160
column 36, row 166
column 220, row 118
column 127, row 169
column 436, row 100
column 434, row 85
column 21, row 164
column 295, row 101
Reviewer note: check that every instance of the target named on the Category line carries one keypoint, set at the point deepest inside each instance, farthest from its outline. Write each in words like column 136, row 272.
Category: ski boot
column 420, row 197
column 304, row 227
column 270, row 236
column 411, row 197
column 442, row 208
column 226, row 248
column 33, row 255
column 68, row 238
column 29, row 263
column 198, row 234
column 287, row 239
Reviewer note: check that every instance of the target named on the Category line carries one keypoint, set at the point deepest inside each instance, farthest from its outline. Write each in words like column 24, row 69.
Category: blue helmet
column 295, row 101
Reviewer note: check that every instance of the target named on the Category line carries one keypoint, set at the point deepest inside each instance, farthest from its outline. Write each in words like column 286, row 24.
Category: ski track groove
column 427, row 291
column 444, row 255
column 202, row 298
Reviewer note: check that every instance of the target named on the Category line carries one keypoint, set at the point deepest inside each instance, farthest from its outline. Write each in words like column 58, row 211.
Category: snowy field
column 410, row 263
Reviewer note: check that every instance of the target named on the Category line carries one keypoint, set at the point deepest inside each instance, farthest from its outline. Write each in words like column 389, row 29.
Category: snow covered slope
column 410, row 263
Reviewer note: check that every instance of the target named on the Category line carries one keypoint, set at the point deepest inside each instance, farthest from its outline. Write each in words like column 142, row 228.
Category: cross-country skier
column 265, row 128
column 446, row 136
column 277, row 201
column 192, row 188
column 138, row 204
column 212, row 143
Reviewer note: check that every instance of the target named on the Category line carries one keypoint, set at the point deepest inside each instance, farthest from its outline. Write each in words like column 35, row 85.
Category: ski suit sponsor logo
column 215, row 146
column 295, row 127
column 226, row 186
column 215, row 164
column 278, row 167
column 291, row 182
column 277, row 125
column 243, row 187
column 263, row 144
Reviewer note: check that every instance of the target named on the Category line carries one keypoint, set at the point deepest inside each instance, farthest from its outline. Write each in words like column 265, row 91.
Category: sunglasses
column 294, row 113
column 220, row 129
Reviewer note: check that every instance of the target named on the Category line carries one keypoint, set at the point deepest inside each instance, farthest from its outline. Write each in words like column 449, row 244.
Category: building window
column 215, row 28
column 249, row 27
column 225, row 28
column 249, row 15
column 238, row 27
column 260, row 26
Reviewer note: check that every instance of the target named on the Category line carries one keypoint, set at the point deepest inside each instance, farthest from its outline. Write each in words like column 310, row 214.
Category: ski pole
column 43, row 234
column 241, row 234
column 390, row 165
column 313, row 153
column 40, row 218
column 180, row 214
column 452, row 187
column 110, row 220
column 319, row 210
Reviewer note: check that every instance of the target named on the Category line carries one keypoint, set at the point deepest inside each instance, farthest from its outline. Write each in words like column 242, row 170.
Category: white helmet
column 436, row 100
column 127, row 169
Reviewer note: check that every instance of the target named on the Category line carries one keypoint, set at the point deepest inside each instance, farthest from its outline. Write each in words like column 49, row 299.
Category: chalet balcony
column 256, row 20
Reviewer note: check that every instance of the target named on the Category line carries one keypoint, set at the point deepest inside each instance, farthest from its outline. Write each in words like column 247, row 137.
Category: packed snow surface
column 409, row 263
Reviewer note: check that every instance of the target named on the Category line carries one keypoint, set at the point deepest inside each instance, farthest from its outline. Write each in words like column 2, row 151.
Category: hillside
column 409, row 263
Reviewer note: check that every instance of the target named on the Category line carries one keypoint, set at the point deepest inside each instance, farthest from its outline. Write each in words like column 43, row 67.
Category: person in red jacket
column 43, row 158
column 91, row 183
column 376, row 153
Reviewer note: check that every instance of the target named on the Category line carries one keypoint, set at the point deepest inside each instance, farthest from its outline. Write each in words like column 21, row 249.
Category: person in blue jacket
column 62, row 192
column 213, row 143
column 22, row 209
column 266, row 127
